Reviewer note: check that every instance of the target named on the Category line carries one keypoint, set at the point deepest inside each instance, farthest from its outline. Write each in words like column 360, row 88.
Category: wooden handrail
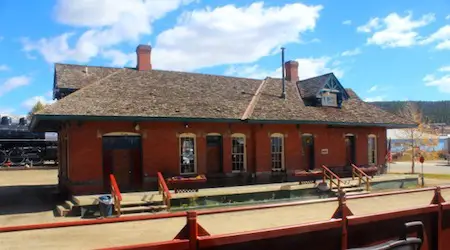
column 361, row 176
column 327, row 173
column 164, row 190
column 115, row 193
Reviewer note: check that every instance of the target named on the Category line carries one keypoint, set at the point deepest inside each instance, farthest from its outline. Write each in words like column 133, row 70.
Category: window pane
column 238, row 153
column 276, row 152
column 187, row 155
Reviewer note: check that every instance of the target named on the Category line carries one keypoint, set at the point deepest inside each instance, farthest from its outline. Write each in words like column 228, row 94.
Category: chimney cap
column 144, row 47
column 292, row 62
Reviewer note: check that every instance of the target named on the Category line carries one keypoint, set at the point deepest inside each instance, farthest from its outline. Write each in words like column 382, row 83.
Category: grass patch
column 437, row 176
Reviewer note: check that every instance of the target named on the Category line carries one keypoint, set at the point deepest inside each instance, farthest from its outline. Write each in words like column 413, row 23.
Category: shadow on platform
column 27, row 199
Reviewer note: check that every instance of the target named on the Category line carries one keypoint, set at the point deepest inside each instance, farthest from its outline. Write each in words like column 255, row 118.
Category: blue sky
column 383, row 49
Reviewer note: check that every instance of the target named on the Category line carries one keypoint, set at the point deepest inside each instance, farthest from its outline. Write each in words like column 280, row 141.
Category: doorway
column 308, row 151
column 350, row 149
column 214, row 154
column 122, row 156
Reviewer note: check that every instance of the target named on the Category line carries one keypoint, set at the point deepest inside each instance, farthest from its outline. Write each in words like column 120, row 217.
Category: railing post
column 438, row 200
column 341, row 213
column 193, row 229
column 367, row 184
column 323, row 176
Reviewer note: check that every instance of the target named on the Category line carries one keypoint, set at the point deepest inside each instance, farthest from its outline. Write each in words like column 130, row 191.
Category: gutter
column 39, row 117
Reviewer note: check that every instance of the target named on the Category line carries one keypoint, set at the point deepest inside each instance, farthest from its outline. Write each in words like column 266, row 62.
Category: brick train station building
column 135, row 122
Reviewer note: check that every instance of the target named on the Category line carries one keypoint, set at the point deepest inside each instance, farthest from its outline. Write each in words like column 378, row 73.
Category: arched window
column 238, row 153
column 277, row 151
column 188, row 154
column 372, row 148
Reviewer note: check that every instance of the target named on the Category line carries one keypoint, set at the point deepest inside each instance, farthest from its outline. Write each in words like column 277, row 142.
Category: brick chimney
column 144, row 54
column 291, row 68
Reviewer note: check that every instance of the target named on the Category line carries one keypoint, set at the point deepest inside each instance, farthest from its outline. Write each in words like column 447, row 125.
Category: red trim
column 332, row 173
column 91, row 222
column 116, row 189
column 446, row 206
column 224, row 239
column 361, row 219
column 163, row 245
column 359, row 170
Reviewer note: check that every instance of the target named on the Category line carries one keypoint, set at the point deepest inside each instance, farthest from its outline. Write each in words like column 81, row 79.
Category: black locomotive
column 20, row 146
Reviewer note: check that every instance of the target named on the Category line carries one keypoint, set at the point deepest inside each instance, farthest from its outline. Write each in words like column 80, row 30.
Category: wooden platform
column 126, row 233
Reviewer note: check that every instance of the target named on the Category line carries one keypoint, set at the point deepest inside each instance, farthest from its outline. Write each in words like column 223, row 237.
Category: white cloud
column 444, row 69
column 209, row 37
column 109, row 23
column 374, row 99
column 395, row 30
column 442, row 37
column 447, row 17
column 29, row 103
column 3, row 67
column 307, row 67
column 353, row 52
column 442, row 82
column 118, row 58
column 14, row 82
column 347, row 22
column 374, row 23
column 373, row 88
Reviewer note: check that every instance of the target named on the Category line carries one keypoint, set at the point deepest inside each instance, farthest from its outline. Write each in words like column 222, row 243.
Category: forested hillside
column 436, row 112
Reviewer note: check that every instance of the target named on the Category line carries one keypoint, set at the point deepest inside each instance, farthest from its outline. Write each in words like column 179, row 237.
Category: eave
column 42, row 122
column 55, row 120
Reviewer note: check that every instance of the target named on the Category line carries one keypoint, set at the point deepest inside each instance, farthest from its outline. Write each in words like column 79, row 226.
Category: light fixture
column 137, row 127
column 186, row 125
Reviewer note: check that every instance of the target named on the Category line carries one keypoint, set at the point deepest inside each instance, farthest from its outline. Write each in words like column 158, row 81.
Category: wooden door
column 308, row 152
column 350, row 150
column 214, row 154
column 122, row 158
column 121, row 167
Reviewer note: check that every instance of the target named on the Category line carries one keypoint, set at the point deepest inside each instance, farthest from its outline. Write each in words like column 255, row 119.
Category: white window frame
column 280, row 136
column 326, row 97
column 180, row 138
column 244, row 167
column 369, row 150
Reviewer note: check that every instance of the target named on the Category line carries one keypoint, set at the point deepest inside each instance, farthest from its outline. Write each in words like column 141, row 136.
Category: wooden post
column 341, row 213
column 438, row 199
column 193, row 229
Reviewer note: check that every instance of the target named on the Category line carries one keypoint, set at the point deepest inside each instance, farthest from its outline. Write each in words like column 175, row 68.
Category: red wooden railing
column 115, row 193
column 362, row 177
column 164, row 190
column 332, row 177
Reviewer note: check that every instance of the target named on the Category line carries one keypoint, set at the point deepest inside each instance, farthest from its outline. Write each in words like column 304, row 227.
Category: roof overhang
column 41, row 122
column 51, row 123
column 346, row 124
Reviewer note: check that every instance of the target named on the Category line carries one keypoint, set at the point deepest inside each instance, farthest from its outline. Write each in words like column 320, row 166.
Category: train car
column 20, row 146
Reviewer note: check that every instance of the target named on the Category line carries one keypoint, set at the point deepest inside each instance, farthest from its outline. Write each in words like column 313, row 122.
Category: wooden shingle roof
column 114, row 93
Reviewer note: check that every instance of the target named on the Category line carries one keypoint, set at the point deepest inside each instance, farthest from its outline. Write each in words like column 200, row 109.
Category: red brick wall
column 160, row 146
